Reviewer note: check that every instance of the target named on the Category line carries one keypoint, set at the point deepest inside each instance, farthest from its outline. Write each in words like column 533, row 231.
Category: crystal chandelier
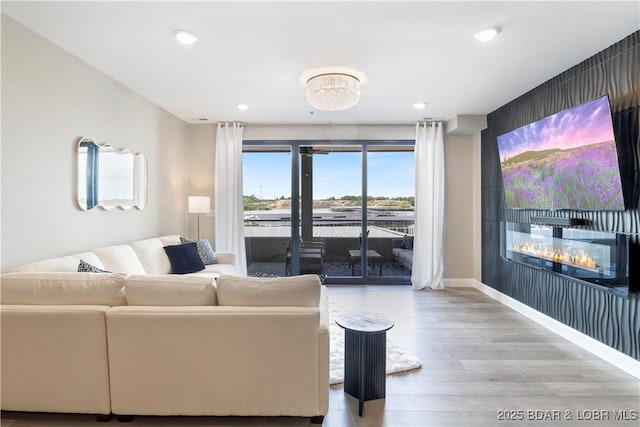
column 333, row 88
column 333, row 91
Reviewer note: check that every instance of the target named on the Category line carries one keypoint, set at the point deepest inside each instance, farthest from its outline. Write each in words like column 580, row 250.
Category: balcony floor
column 331, row 269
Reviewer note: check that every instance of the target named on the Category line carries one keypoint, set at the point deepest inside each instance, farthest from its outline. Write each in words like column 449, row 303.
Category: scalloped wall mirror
column 110, row 178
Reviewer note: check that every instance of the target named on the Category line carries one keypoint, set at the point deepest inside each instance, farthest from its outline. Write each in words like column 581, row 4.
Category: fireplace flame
column 578, row 258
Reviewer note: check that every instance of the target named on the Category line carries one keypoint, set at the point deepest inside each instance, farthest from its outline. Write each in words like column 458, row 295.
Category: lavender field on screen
column 586, row 177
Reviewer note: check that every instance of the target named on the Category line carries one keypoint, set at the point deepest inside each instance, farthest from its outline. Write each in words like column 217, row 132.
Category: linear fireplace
column 595, row 257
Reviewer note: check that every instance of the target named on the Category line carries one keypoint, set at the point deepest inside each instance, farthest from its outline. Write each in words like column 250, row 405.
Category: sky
column 585, row 124
column 268, row 176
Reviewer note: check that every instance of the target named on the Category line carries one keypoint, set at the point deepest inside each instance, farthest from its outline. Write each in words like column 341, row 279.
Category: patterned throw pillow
column 265, row 275
column 407, row 242
column 205, row 250
column 85, row 267
column 184, row 258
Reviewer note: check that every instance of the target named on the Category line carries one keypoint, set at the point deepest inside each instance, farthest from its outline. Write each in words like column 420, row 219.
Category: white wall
column 49, row 100
column 459, row 212
column 202, row 156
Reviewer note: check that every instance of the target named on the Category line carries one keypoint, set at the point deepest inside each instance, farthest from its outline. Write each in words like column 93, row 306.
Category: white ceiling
column 255, row 52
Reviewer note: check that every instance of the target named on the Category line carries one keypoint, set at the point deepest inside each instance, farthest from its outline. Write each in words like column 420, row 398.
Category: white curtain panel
column 428, row 265
column 228, row 195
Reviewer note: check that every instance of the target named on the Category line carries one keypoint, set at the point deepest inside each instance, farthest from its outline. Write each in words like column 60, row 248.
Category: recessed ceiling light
column 242, row 107
column 487, row 34
column 185, row 37
column 419, row 105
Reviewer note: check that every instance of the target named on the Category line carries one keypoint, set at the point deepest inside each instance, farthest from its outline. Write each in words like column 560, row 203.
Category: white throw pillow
column 119, row 259
column 152, row 256
column 297, row 291
column 50, row 288
column 163, row 290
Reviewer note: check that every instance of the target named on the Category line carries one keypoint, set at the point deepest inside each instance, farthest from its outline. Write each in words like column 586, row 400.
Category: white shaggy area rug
column 398, row 360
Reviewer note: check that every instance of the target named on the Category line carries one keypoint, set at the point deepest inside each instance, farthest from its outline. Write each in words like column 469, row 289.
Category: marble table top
column 359, row 321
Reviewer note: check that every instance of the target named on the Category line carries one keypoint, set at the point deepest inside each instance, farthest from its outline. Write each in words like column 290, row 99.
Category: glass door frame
column 295, row 145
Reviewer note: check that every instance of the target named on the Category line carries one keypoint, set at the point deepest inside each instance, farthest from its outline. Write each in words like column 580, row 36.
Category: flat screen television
column 565, row 161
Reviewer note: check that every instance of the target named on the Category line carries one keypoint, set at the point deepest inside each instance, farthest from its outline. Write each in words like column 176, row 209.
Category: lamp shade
column 199, row 204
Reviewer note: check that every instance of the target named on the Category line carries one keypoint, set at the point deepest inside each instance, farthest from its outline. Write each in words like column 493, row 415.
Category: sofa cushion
column 396, row 251
column 184, row 258
column 152, row 256
column 47, row 288
column 119, row 259
column 204, row 273
column 299, row 291
column 220, row 269
column 166, row 290
column 67, row 263
column 205, row 250
column 406, row 255
column 173, row 239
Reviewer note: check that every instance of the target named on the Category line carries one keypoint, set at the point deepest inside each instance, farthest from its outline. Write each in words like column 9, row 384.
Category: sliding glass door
column 266, row 175
column 390, row 202
column 339, row 209
column 331, row 201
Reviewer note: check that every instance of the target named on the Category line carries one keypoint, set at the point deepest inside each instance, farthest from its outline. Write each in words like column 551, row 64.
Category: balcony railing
column 267, row 241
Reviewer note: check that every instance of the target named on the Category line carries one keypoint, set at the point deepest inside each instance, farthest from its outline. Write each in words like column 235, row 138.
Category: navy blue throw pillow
column 184, row 258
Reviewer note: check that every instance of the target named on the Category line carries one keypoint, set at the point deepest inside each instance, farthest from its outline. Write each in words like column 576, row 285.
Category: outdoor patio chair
column 311, row 257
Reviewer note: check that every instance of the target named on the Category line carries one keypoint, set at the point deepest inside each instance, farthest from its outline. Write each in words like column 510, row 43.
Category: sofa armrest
column 324, row 355
column 225, row 258
column 324, row 307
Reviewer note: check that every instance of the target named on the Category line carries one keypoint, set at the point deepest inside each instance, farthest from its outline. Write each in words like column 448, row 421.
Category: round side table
column 365, row 355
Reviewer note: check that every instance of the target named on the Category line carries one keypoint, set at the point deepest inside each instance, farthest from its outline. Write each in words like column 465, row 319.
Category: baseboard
column 457, row 283
column 603, row 351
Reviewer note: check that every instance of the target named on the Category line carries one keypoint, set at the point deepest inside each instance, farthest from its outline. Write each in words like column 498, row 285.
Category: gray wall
column 50, row 99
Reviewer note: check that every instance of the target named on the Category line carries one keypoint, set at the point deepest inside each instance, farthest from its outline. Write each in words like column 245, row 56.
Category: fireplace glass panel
column 592, row 256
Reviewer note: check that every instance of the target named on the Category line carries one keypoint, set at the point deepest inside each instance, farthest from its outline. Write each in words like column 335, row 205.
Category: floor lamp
column 198, row 205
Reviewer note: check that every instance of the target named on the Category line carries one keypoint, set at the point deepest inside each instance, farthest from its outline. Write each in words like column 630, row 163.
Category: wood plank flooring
column 481, row 362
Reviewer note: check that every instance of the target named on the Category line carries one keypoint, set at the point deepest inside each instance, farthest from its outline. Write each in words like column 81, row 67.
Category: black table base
column 365, row 365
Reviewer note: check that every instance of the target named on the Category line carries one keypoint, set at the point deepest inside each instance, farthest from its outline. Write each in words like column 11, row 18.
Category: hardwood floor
column 481, row 362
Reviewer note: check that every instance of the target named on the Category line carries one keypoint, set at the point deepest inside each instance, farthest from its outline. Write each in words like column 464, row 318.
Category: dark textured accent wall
column 609, row 318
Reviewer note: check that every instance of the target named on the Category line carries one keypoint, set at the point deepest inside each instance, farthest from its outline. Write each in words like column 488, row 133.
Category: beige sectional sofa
column 139, row 257
column 144, row 343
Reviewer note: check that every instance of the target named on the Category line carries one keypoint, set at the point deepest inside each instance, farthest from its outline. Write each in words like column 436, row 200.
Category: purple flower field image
column 564, row 161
